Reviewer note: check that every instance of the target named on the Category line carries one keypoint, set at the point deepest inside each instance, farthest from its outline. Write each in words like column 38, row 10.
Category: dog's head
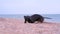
column 28, row 18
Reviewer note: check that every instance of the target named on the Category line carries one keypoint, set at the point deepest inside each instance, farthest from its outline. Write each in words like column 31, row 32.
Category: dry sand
column 17, row 26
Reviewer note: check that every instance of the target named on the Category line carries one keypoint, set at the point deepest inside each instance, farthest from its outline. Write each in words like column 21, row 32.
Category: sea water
column 55, row 17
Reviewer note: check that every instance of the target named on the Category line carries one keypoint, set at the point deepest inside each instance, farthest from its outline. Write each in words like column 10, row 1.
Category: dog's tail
column 47, row 18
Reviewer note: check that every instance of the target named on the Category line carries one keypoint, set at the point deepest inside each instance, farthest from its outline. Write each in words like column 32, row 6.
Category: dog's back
column 37, row 17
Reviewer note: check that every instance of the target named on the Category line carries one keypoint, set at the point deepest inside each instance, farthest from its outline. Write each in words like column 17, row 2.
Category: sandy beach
column 17, row 26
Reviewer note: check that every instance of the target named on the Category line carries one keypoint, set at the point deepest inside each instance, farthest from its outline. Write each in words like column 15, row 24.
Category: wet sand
column 17, row 26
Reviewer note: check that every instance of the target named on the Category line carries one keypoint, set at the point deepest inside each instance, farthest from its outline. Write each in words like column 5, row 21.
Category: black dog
column 33, row 18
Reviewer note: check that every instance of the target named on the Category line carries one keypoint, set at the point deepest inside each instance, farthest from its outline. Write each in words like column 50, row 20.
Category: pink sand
column 17, row 26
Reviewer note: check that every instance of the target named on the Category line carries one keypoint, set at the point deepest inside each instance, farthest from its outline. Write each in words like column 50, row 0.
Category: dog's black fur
column 33, row 18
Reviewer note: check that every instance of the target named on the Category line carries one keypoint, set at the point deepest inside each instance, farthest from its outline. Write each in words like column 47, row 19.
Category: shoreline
column 1, row 19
